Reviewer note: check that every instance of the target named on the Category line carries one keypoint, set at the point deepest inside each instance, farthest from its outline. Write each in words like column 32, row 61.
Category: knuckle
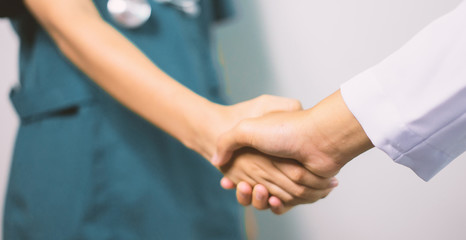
column 296, row 105
column 298, row 175
column 300, row 192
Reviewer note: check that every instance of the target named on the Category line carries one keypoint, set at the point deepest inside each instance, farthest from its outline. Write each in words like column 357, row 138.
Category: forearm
column 122, row 70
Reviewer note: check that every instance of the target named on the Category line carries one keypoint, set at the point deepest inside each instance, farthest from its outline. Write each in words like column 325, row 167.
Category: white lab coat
column 412, row 105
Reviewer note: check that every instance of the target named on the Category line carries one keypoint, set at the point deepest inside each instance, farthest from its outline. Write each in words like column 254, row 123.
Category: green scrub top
column 85, row 167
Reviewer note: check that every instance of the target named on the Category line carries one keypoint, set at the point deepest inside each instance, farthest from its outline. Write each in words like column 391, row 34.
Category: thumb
column 236, row 138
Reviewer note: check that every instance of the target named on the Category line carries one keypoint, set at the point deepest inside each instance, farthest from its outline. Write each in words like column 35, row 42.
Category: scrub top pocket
column 38, row 105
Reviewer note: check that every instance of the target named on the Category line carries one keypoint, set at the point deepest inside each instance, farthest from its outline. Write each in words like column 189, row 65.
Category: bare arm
column 122, row 70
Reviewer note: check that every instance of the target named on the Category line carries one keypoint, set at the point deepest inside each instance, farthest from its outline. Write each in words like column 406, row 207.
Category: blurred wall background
column 305, row 49
column 8, row 119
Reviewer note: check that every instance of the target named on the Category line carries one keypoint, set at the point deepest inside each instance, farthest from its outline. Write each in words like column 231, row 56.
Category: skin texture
column 323, row 139
column 122, row 70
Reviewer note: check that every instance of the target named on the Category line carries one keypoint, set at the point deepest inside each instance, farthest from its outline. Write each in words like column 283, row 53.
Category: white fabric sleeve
column 412, row 105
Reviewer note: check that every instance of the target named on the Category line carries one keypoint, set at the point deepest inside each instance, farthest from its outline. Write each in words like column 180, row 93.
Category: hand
column 211, row 124
column 282, row 134
column 286, row 179
column 323, row 138
column 317, row 186
column 299, row 182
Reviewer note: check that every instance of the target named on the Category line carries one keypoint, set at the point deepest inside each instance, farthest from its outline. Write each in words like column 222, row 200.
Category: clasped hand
column 287, row 157
column 262, row 156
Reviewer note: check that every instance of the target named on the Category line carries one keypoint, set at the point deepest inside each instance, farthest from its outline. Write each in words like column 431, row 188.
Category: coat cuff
column 383, row 124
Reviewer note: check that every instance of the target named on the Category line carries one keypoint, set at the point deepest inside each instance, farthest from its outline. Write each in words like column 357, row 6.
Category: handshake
column 278, row 155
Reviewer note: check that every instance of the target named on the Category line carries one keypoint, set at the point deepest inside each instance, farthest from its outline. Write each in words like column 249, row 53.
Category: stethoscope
column 134, row 13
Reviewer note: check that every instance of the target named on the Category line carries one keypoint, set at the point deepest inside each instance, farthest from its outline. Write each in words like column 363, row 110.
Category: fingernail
column 275, row 205
column 333, row 183
column 260, row 197
column 242, row 194
column 277, row 209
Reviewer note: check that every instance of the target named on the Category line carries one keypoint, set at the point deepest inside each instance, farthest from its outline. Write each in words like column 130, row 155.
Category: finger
column 320, row 195
column 275, row 203
column 281, row 186
column 334, row 182
column 277, row 206
column 227, row 183
column 264, row 173
column 259, row 197
column 244, row 193
column 280, row 193
column 275, row 182
column 296, row 172
column 296, row 194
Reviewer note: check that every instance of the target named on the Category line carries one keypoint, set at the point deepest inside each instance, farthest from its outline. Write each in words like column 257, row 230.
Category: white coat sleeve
column 412, row 105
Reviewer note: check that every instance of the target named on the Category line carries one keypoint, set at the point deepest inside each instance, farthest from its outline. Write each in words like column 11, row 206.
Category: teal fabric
column 85, row 167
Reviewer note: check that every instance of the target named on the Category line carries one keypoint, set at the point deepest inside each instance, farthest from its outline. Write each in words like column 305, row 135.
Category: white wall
column 8, row 120
column 305, row 49
column 309, row 48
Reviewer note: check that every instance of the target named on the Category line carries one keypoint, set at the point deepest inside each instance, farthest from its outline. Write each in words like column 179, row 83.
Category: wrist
column 340, row 136
column 207, row 125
